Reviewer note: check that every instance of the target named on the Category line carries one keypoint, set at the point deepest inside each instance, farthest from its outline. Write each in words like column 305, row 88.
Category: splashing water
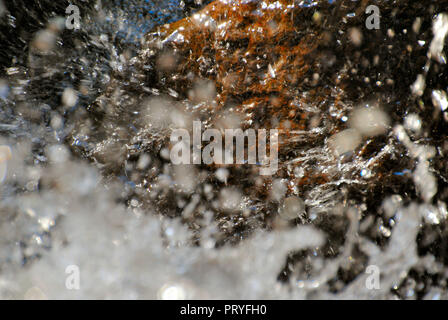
column 85, row 177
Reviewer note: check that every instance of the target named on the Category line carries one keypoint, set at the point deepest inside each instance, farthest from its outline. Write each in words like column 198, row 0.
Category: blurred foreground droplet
column 345, row 141
column 69, row 97
column 369, row 121
column 171, row 292
column 293, row 208
column 35, row 293
column 5, row 155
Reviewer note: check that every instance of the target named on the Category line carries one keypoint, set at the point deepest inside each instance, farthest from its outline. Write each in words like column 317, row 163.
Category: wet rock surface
column 362, row 146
